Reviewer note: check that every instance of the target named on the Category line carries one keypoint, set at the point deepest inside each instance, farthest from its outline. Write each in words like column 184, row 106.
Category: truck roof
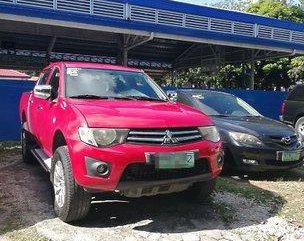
column 94, row 65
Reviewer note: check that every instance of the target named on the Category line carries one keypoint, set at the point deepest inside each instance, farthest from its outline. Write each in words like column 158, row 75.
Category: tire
column 200, row 191
column 299, row 126
column 26, row 146
column 71, row 202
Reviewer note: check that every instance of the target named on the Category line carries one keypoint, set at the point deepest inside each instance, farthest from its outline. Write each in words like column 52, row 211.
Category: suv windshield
column 100, row 83
column 218, row 104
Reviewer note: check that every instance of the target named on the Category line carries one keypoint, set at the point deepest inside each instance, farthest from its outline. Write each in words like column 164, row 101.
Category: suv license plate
column 174, row 160
column 288, row 156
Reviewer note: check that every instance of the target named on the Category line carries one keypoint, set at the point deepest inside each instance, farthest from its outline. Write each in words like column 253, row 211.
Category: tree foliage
column 296, row 70
column 240, row 5
column 277, row 9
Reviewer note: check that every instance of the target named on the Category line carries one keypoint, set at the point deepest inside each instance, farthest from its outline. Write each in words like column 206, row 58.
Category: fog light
column 220, row 161
column 103, row 169
column 97, row 167
column 250, row 162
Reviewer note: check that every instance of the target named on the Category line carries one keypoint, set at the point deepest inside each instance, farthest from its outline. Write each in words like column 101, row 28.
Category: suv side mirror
column 43, row 91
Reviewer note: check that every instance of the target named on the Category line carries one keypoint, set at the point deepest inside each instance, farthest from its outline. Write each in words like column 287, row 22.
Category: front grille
column 144, row 172
column 279, row 140
column 164, row 136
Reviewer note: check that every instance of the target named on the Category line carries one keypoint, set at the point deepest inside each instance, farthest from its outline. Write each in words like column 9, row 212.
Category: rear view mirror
column 43, row 91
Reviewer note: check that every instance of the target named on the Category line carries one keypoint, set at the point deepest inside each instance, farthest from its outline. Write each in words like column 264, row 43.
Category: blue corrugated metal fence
column 10, row 92
column 266, row 102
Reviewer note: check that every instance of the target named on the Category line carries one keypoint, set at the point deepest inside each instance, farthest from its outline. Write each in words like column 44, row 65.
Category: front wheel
column 299, row 126
column 200, row 191
column 71, row 202
column 26, row 146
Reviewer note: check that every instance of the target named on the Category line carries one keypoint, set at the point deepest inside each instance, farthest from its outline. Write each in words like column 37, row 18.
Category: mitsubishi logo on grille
column 169, row 138
column 286, row 140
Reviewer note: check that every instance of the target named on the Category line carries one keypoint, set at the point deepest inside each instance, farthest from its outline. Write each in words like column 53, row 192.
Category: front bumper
column 122, row 156
column 266, row 158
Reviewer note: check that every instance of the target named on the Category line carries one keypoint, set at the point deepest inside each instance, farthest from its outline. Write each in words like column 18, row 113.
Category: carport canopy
column 158, row 35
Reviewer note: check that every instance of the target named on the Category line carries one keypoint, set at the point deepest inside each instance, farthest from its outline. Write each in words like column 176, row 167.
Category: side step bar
column 43, row 159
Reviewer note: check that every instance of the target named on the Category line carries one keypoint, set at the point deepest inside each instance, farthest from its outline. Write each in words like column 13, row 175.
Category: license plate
column 288, row 156
column 174, row 160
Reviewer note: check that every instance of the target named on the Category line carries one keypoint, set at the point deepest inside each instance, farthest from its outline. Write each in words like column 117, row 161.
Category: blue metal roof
column 168, row 19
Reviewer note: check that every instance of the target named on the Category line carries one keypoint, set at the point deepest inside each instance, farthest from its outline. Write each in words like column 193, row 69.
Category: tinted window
column 54, row 82
column 297, row 93
column 213, row 103
column 43, row 77
column 110, row 83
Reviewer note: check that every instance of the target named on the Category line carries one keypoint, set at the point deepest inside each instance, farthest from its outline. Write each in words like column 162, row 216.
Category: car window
column 43, row 77
column 223, row 104
column 297, row 93
column 54, row 82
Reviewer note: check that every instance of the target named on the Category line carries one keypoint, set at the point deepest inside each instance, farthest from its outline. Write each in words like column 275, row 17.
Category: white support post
column 91, row 7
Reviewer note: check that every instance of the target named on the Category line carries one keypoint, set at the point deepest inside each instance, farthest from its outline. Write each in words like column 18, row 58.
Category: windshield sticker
column 73, row 72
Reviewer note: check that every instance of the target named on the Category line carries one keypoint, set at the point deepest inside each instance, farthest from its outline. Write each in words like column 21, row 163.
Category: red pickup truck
column 104, row 128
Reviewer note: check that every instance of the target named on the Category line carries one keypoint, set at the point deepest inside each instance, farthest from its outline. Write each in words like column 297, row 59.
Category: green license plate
column 288, row 156
column 175, row 160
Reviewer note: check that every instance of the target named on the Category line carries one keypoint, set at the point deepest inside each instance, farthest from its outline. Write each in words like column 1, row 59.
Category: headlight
column 102, row 136
column 245, row 139
column 210, row 133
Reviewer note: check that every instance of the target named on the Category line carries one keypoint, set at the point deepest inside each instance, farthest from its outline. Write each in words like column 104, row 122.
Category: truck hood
column 139, row 114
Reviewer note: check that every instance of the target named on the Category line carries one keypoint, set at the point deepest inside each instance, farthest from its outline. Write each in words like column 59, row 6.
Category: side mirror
column 43, row 91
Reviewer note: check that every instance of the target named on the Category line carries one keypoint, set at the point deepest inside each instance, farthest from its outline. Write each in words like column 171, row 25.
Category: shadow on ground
column 26, row 199
column 296, row 174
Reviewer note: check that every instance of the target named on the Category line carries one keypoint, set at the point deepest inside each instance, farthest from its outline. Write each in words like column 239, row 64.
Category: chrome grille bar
column 158, row 136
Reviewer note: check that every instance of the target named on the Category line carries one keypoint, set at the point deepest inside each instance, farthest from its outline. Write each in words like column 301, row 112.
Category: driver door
column 48, row 117
column 34, row 108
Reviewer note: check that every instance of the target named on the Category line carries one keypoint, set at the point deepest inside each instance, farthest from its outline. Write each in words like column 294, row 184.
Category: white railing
column 107, row 8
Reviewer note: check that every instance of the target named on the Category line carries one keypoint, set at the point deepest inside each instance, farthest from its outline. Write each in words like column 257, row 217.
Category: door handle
column 40, row 107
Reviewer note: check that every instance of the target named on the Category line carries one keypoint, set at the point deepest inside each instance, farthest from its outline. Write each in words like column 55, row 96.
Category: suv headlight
column 245, row 139
column 210, row 133
column 102, row 137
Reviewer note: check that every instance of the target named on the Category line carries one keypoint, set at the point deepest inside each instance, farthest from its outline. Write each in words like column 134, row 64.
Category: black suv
column 292, row 110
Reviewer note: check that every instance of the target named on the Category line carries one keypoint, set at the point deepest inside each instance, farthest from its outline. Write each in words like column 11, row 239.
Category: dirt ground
column 261, row 207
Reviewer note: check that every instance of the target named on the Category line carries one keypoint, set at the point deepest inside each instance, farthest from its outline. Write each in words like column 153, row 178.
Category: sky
column 199, row 2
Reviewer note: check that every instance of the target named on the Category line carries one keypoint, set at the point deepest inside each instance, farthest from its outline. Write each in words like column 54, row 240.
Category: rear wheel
column 299, row 126
column 200, row 191
column 71, row 202
column 26, row 146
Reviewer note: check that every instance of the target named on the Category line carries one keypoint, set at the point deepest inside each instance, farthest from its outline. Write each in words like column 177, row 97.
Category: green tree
column 277, row 9
column 240, row 5
column 276, row 74
column 296, row 71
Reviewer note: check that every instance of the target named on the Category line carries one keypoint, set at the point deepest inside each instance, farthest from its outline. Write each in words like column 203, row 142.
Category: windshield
column 218, row 104
column 95, row 83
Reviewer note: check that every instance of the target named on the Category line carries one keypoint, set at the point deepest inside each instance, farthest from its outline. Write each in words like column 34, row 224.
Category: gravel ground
column 26, row 214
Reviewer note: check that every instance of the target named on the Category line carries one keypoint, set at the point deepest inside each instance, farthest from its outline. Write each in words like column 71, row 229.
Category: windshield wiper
column 221, row 115
column 100, row 97
column 139, row 97
column 88, row 97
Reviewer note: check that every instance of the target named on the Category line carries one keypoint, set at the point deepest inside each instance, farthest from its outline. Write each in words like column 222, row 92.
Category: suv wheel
column 26, row 146
column 71, row 202
column 200, row 191
column 299, row 126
